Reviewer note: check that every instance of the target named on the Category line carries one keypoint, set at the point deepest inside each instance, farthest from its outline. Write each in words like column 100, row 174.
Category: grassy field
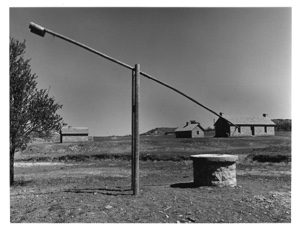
column 159, row 148
column 91, row 182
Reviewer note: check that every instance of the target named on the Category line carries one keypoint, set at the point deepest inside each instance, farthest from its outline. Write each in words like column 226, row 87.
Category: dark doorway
column 252, row 130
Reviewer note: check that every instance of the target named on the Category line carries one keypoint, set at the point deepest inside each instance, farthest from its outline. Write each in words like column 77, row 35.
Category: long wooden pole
column 135, row 129
column 133, row 133
column 39, row 30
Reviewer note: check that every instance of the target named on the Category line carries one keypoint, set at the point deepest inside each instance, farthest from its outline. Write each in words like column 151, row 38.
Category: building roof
column 74, row 130
column 188, row 127
column 248, row 120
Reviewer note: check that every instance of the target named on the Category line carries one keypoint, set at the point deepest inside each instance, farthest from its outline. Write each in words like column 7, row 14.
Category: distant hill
column 158, row 131
column 283, row 124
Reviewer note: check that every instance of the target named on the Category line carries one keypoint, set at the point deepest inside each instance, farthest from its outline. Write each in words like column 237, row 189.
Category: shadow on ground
column 184, row 185
column 21, row 182
column 104, row 191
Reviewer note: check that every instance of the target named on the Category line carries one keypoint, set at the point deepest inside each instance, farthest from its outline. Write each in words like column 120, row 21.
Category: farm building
column 191, row 129
column 247, row 126
column 73, row 134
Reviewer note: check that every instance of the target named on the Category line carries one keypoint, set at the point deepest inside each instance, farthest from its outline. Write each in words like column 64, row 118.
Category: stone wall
column 245, row 131
column 214, row 170
column 258, row 131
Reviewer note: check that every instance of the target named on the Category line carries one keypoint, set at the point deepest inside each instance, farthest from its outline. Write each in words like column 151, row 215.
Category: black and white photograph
column 150, row 114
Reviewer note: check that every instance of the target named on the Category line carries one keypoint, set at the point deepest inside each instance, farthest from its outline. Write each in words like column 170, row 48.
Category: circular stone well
column 214, row 170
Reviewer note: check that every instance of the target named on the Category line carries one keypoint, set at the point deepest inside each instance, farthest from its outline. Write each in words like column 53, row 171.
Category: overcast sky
column 232, row 60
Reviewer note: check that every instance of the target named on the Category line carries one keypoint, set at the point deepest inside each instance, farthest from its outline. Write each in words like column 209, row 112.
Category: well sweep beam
column 39, row 30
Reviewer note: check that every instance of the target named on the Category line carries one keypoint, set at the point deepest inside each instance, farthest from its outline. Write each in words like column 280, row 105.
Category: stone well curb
column 214, row 170
column 215, row 157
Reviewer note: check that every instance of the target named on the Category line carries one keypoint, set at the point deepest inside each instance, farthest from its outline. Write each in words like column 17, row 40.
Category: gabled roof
column 74, row 130
column 189, row 127
column 248, row 120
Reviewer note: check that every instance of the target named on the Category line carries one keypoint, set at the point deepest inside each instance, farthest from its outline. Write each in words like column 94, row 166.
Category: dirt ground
column 91, row 182
column 100, row 192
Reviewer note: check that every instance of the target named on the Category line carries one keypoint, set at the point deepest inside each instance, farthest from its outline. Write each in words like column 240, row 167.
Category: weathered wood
column 41, row 31
column 133, row 134
column 135, row 129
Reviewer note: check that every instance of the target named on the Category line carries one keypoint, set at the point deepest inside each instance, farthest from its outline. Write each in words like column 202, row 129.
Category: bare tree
column 32, row 111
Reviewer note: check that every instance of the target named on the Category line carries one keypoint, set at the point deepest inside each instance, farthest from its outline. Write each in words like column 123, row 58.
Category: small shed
column 73, row 134
column 191, row 129
column 247, row 126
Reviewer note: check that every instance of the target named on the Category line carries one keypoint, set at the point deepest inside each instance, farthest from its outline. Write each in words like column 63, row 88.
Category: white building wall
column 258, row 131
column 199, row 131
column 245, row 131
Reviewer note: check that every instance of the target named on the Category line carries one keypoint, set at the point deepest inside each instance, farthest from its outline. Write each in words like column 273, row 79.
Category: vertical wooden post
column 133, row 133
column 135, row 129
column 137, row 140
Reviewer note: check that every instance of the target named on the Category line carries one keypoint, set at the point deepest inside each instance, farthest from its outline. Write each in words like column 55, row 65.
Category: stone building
column 247, row 126
column 191, row 129
column 73, row 134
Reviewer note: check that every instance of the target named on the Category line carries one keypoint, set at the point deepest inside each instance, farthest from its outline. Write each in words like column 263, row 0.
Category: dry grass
column 91, row 182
